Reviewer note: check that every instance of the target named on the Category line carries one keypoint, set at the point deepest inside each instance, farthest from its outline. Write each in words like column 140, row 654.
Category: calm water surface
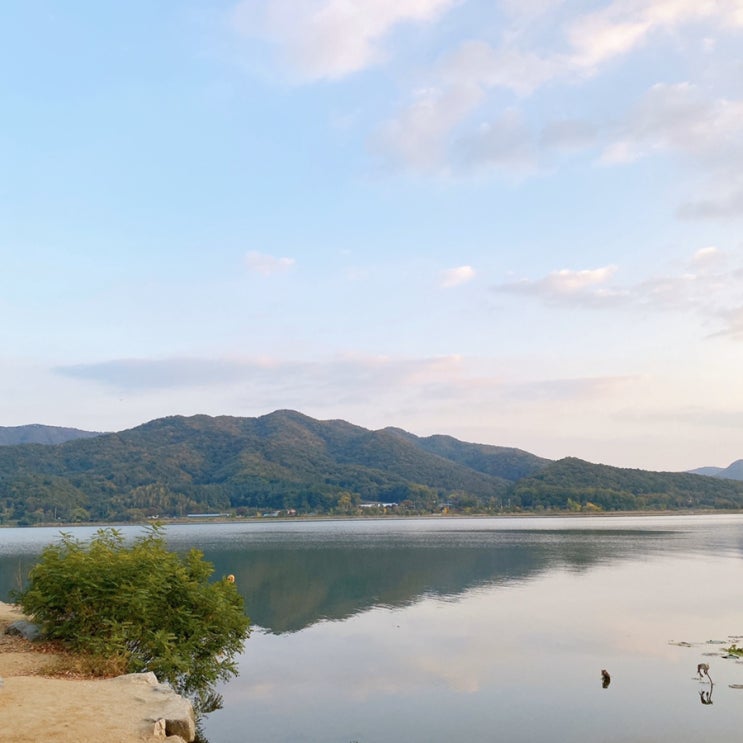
column 472, row 629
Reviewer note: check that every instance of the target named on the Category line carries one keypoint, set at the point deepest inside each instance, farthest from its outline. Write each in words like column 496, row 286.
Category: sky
column 516, row 222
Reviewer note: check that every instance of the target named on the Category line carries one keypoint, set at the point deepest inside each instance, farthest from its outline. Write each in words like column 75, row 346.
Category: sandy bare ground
column 35, row 709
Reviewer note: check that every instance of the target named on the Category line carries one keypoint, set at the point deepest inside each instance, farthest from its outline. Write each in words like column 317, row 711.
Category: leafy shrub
column 141, row 603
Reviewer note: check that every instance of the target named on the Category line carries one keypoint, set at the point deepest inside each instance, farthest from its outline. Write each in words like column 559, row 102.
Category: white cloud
column 622, row 25
column 671, row 118
column 704, row 285
column 529, row 9
column 669, row 292
column 418, row 136
column 568, row 134
column 425, row 136
column 504, row 143
column 733, row 320
column 457, row 276
column 570, row 282
column 680, row 118
column 267, row 265
column 593, row 39
column 152, row 374
column 349, row 375
column 566, row 285
column 476, row 62
column 707, row 257
column 400, row 389
column 439, row 131
column 332, row 38
column 727, row 203
column 619, row 153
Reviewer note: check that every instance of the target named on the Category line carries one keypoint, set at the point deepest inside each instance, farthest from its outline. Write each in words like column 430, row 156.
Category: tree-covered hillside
column 574, row 484
column 500, row 461
column 284, row 461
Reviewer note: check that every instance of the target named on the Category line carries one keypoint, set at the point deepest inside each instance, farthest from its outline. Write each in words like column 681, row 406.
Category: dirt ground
column 38, row 709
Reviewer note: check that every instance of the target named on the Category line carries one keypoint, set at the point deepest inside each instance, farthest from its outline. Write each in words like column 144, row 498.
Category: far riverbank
column 180, row 521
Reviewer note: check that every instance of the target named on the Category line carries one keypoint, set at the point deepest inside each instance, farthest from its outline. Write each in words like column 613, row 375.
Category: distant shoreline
column 180, row 521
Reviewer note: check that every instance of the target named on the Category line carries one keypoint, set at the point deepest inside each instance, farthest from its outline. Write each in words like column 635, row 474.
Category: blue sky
column 517, row 222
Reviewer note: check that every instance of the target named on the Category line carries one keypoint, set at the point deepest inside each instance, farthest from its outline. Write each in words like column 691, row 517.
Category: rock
column 173, row 712
column 160, row 732
column 122, row 710
column 23, row 628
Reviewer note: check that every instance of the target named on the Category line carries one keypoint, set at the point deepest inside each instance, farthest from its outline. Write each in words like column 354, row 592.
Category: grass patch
column 68, row 664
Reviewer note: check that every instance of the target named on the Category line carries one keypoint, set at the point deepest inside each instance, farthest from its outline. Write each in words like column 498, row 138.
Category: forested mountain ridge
column 571, row 482
column 36, row 433
column 285, row 460
column 500, row 461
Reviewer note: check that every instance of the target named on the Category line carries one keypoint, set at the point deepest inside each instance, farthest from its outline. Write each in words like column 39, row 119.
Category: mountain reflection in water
column 292, row 585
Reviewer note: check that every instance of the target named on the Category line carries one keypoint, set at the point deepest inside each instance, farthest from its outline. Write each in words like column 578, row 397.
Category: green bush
column 152, row 608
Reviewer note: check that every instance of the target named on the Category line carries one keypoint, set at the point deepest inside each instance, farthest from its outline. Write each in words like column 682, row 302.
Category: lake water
column 434, row 630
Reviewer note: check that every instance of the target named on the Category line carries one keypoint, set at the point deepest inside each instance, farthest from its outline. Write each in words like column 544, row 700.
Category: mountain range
column 285, row 460
column 733, row 471
column 36, row 433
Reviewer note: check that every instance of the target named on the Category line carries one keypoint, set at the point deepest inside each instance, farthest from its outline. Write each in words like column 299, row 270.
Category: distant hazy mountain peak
column 37, row 433
column 733, row 471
